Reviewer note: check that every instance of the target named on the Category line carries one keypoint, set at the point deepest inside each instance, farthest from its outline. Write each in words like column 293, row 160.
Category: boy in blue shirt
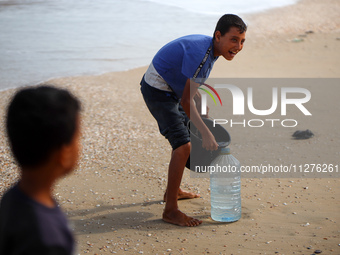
column 43, row 127
column 169, row 91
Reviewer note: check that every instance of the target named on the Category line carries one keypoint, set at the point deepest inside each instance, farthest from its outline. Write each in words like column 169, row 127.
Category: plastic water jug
column 225, row 187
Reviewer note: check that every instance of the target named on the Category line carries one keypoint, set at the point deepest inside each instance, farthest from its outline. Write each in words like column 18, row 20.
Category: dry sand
column 114, row 198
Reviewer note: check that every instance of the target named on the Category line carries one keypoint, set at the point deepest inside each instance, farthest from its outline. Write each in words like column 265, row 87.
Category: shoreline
column 315, row 21
column 114, row 198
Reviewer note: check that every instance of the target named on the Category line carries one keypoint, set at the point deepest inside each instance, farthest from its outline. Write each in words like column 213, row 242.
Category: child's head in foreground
column 40, row 122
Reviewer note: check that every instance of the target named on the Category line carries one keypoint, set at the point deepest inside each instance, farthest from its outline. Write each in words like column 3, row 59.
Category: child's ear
column 66, row 159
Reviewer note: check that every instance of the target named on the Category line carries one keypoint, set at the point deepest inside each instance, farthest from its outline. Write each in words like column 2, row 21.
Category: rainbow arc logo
column 210, row 94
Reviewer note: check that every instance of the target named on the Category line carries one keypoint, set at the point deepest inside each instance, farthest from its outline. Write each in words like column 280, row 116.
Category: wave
column 220, row 7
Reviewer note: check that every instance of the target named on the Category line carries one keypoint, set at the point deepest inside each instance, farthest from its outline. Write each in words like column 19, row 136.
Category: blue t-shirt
column 178, row 60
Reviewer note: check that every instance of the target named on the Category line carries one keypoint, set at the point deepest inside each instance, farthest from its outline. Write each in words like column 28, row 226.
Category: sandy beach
column 114, row 197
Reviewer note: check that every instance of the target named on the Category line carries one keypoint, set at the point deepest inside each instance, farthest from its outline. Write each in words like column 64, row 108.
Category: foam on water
column 220, row 7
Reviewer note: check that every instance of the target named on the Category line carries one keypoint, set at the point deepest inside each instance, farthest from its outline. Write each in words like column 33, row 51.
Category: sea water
column 40, row 40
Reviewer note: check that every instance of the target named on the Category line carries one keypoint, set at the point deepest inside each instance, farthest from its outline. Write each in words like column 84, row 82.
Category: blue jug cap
column 225, row 150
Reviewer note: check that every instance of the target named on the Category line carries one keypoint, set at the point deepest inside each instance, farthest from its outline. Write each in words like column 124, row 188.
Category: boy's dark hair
column 230, row 20
column 39, row 121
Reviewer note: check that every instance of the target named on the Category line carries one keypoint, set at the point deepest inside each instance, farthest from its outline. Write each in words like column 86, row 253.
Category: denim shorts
column 169, row 114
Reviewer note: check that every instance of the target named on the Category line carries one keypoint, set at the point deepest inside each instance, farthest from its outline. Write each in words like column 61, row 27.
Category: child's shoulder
column 14, row 205
column 10, row 195
column 22, row 218
column 194, row 38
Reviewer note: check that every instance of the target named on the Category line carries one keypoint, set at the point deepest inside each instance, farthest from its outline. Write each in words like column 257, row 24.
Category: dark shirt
column 28, row 227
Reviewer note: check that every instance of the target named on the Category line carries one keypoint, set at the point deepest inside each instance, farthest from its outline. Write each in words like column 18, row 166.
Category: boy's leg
column 172, row 124
column 181, row 193
column 171, row 212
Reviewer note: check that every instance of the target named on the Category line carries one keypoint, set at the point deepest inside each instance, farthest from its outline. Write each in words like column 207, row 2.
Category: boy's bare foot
column 178, row 218
column 184, row 195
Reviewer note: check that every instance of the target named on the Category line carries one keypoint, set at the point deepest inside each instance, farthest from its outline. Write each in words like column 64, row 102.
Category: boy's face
column 229, row 44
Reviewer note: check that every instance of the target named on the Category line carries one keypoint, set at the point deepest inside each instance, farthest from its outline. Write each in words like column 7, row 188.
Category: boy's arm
column 198, row 103
column 187, row 102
